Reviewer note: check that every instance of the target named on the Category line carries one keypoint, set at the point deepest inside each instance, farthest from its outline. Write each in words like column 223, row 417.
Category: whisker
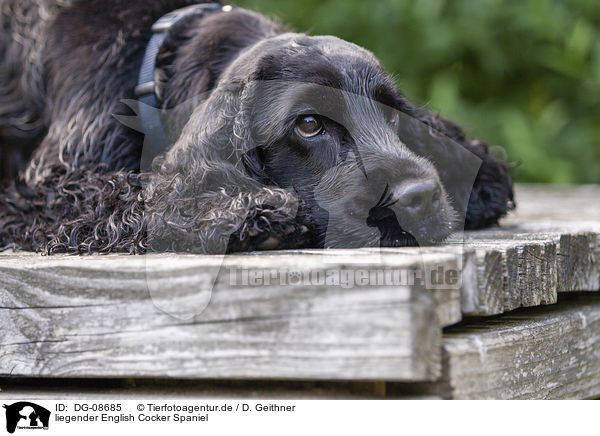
column 383, row 196
column 387, row 202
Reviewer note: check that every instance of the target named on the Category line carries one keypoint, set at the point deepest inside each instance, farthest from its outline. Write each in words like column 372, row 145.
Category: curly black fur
column 236, row 179
column 57, row 215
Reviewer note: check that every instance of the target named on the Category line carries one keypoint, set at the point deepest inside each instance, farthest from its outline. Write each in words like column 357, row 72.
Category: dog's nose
column 418, row 197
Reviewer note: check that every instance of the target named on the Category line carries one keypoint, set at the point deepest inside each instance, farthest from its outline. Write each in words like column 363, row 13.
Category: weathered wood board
column 550, row 352
column 100, row 317
column 511, row 268
column 549, row 245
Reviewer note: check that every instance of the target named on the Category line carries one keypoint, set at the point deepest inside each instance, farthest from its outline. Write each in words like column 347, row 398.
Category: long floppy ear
column 492, row 196
column 201, row 193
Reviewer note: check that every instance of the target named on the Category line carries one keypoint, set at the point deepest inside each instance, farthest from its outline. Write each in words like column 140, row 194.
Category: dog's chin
column 355, row 234
column 397, row 237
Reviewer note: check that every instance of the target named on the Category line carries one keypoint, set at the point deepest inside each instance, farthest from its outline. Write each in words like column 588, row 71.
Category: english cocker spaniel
column 288, row 140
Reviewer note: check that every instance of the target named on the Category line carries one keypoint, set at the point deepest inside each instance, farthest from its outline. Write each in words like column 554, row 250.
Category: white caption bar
column 305, row 417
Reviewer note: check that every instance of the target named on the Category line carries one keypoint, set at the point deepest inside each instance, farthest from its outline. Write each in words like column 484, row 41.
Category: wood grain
column 542, row 353
column 95, row 317
column 551, row 244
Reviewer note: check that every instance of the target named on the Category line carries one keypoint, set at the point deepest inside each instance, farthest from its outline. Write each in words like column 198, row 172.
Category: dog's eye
column 308, row 126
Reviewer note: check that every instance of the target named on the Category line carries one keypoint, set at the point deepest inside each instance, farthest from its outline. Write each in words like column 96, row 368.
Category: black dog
column 293, row 141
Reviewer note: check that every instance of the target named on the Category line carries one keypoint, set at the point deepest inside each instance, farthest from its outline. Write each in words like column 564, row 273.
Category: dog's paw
column 267, row 228
column 287, row 237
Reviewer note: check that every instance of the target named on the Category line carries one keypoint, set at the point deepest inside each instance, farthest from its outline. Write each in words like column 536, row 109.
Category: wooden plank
column 571, row 213
column 510, row 273
column 484, row 276
column 542, row 353
column 549, row 245
column 510, row 268
column 579, row 262
column 94, row 317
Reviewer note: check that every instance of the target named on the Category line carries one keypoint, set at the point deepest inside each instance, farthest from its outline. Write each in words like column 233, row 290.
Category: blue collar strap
column 156, row 141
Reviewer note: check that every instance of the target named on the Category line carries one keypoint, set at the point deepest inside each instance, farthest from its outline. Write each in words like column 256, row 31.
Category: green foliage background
column 522, row 74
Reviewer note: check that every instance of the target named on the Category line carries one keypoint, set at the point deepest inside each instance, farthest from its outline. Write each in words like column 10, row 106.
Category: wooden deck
column 524, row 321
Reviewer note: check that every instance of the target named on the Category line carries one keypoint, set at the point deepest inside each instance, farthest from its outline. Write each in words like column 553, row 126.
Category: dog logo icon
column 26, row 415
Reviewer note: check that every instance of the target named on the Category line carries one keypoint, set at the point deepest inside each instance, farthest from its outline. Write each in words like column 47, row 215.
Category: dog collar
column 156, row 141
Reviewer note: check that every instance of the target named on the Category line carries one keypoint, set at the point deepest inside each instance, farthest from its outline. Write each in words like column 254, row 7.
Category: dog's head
column 318, row 116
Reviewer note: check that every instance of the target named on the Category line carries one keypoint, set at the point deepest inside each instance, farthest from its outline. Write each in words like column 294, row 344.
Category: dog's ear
column 492, row 196
column 202, row 191
column 251, row 153
column 253, row 161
